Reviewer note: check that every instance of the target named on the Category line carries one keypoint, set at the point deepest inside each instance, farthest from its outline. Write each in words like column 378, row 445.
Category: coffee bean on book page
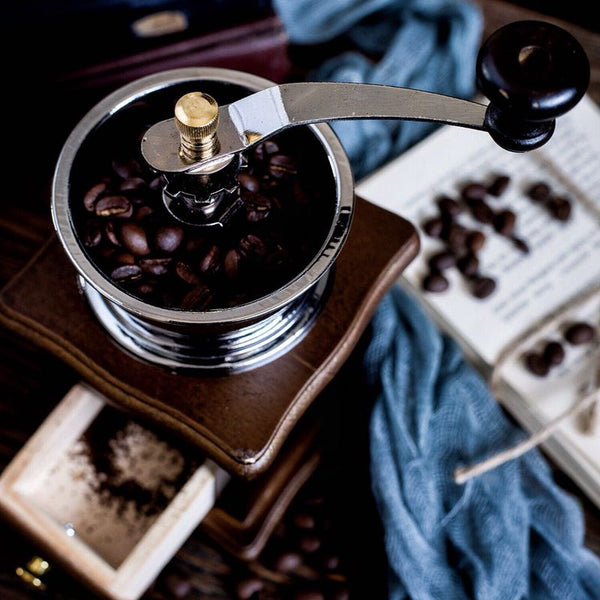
column 539, row 192
column 483, row 287
column 504, row 222
column 474, row 191
column 559, row 208
column 554, row 353
column 433, row 227
column 520, row 244
column 449, row 206
column 475, row 241
column 435, row 282
column 442, row 261
column 580, row 333
column 481, row 211
column 468, row 265
column 499, row 185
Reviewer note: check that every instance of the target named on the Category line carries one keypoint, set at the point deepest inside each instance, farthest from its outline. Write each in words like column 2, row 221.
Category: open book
column 563, row 263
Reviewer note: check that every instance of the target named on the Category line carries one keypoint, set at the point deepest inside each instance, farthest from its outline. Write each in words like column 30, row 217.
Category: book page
column 563, row 262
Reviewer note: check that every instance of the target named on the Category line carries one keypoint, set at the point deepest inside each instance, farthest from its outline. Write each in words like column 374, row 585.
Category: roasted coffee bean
column 132, row 183
column 249, row 182
column 536, row 364
column 504, row 222
column 481, row 211
column 124, row 258
column 185, row 273
column 309, row 595
column 520, row 245
column 482, row 287
column 110, row 230
column 145, row 288
column 330, row 561
column 134, row 239
column 554, row 353
column 468, row 265
column 126, row 168
column 156, row 183
column 114, row 206
column 143, row 212
column 281, row 165
column 433, row 227
column 246, row 588
column 560, row 208
column 265, row 149
column 455, row 236
column 449, row 206
column 539, row 192
column 92, row 195
column 258, row 209
column 177, row 585
column 126, row 272
column 442, row 261
column 310, row 544
column 92, row 235
column 499, row 185
column 473, row 191
column 304, row 520
column 341, row 594
column 211, row 260
column 232, row 262
column 287, row 561
column 155, row 266
column 580, row 333
column 475, row 241
column 198, row 298
column 435, row 282
column 252, row 245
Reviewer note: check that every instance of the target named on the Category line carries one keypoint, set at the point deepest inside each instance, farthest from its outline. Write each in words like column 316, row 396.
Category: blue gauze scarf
column 425, row 44
column 510, row 534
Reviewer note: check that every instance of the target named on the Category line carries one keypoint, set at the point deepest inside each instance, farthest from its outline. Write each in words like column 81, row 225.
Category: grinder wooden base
column 240, row 421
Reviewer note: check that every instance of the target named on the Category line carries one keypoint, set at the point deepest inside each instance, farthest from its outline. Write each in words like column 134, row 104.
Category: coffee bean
column 475, row 241
column 92, row 235
column 287, row 561
column 580, row 333
column 539, row 192
column 185, row 273
column 198, row 298
column 455, row 235
column 232, row 263
column 114, row 206
column 536, row 364
column 92, row 195
column 266, row 148
column 481, row 211
column 155, row 266
column 258, row 209
column 145, row 288
column 560, row 208
column 281, row 165
column 252, row 245
column 441, row 261
column 341, row 594
column 211, row 260
column 433, row 227
column 331, row 561
column 126, row 272
column 309, row 595
column 126, row 168
column 435, row 282
column 449, row 207
column 246, row 588
column 468, row 265
column 520, row 245
column 132, row 183
column 310, row 544
column 553, row 353
column 249, row 182
column 143, row 212
column 304, row 520
column 134, row 239
column 177, row 585
column 473, row 191
column 124, row 258
column 110, row 230
column 499, row 185
column 504, row 222
column 482, row 287
column 168, row 238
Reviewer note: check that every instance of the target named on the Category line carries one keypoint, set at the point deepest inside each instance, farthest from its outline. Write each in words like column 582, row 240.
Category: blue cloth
column 509, row 534
column 423, row 44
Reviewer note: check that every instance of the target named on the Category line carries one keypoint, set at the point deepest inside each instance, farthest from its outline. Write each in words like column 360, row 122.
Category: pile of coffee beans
column 553, row 352
column 559, row 207
column 132, row 239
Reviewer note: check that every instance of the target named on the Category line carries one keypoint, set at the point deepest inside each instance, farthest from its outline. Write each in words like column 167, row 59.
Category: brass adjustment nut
column 196, row 118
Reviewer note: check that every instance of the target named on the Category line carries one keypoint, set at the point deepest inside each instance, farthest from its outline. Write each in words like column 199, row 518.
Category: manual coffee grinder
column 226, row 269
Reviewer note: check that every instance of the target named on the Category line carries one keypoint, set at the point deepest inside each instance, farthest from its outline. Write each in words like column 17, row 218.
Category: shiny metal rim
column 239, row 350
column 259, row 308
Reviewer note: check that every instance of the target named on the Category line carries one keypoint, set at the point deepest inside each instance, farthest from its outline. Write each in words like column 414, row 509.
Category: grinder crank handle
column 531, row 71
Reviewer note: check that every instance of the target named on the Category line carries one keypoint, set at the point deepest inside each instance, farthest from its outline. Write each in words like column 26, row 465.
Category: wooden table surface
column 32, row 381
